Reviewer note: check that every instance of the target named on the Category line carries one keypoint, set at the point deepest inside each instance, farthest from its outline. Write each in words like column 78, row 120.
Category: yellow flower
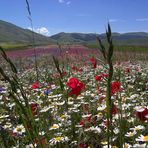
column 58, row 139
column 42, row 95
column 63, row 116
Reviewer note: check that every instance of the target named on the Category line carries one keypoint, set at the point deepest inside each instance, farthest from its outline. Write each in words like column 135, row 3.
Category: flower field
column 70, row 104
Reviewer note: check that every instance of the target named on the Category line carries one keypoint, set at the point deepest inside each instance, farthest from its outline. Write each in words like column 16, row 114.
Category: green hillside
column 12, row 35
column 133, row 38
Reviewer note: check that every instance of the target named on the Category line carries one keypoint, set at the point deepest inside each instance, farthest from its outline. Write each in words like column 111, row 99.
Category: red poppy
column 35, row 85
column 142, row 114
column 75, row 86
column 82, row 123
column 98, row 78
column 94, row 62
column 34, row 108
column 115, row 87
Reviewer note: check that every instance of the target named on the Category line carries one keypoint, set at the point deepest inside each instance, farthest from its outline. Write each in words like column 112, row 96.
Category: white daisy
column 20, row 129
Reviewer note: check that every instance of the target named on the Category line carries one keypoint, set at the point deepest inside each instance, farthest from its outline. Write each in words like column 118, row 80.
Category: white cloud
column 61, row 1
column 142, row 19
column 67, row 2
column 41, row 30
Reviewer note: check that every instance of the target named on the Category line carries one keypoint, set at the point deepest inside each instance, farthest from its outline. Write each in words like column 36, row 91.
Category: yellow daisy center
column 63, row 116
column 18, row 129
column 136, row 128
column 58, row 138
column 55, row 126
column 100, row 114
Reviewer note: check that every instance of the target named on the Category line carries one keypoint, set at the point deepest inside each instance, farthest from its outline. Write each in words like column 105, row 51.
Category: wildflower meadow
column 73, row 98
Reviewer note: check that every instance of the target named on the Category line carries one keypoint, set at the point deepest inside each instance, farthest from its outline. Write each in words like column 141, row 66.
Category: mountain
column 74, row 37
column 12, row 34
column 132, row 38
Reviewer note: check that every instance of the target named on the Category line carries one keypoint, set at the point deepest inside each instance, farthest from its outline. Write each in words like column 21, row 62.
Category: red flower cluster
column 34, row 108
column 142, row 114
column 75, row 86
column 98, row 78
column 115, row 87
column 94, row 62
column 35, row 85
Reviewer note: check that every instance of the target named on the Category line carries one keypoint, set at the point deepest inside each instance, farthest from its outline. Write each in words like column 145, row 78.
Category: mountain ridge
column 129, row 38
column 12, row 34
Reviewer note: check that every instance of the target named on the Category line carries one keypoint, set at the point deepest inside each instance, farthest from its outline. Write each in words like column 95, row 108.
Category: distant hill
column 74, row 37
column 133, row 38
column 10, row 34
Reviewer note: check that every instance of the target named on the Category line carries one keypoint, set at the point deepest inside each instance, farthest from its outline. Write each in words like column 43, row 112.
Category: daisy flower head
column 59, row 139
column 19, row 130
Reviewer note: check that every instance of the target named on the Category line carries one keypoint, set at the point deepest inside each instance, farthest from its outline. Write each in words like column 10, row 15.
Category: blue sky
column 53, row 16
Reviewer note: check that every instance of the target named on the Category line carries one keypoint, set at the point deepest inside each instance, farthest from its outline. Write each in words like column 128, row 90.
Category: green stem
column 109, row 102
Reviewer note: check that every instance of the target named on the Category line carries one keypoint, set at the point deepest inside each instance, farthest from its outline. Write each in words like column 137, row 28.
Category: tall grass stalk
column 33, row 39
column 108, row 54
